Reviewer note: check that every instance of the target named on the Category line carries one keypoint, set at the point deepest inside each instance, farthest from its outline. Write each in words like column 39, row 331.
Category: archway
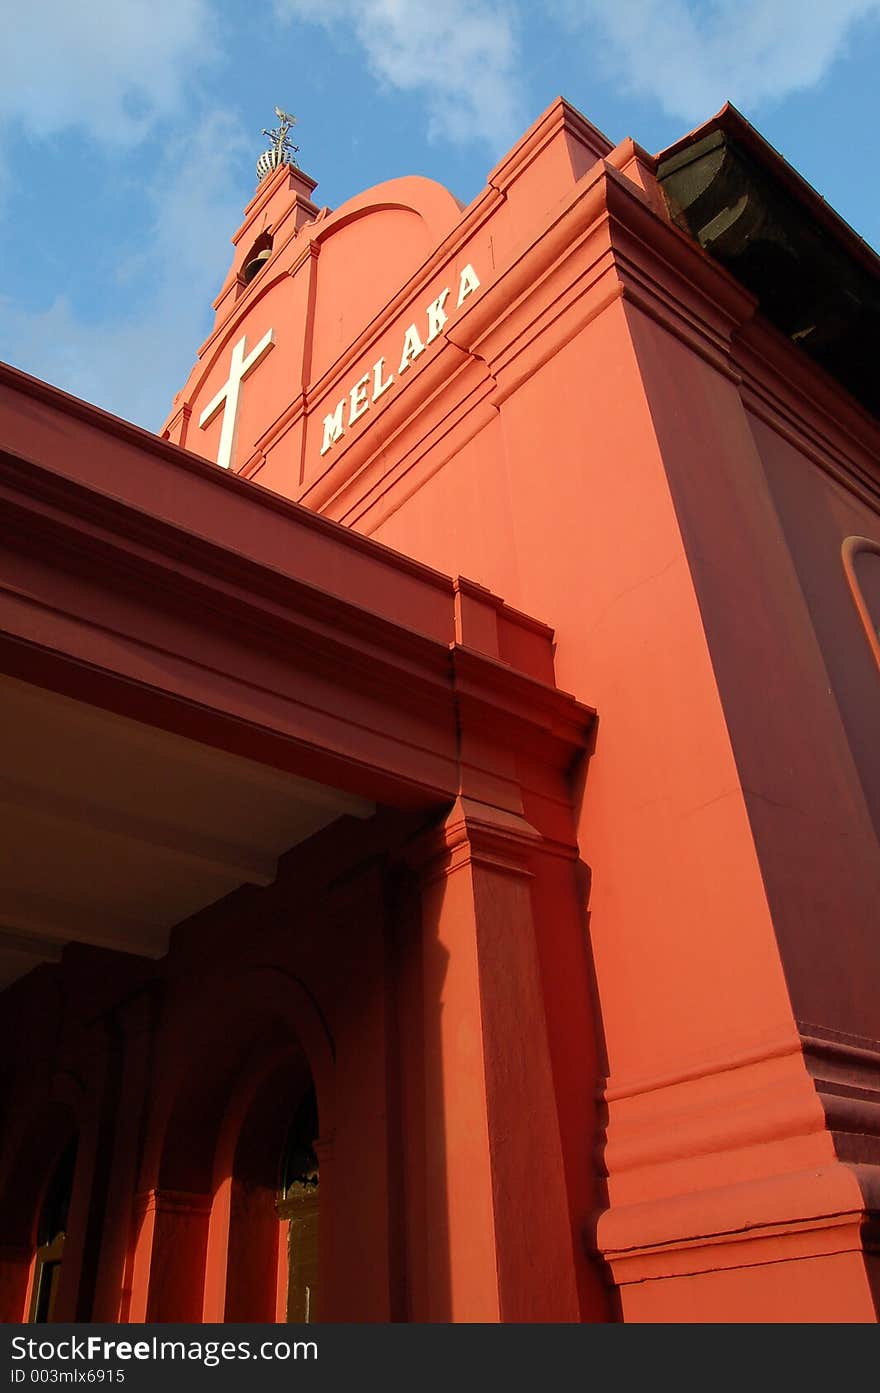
column 212, row 1242
column 34, row 1216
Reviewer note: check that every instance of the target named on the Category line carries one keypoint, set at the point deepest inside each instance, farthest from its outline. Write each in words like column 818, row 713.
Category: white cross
column 228, row 396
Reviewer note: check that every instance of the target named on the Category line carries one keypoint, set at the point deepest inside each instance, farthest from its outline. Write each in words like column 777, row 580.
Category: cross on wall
column 228, row 398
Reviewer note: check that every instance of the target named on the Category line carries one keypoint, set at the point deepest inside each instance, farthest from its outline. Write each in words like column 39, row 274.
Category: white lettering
column 360, row 402
column 378, row 385
column 468, row 283
column 333, row 427
column 437, row 316
column 412, row 347
column 359, row 398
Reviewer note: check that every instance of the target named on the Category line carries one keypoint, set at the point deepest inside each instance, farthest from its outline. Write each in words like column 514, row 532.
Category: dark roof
column 814, row 278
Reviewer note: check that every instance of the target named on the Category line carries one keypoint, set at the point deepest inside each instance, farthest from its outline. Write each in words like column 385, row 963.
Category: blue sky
column 129, row 131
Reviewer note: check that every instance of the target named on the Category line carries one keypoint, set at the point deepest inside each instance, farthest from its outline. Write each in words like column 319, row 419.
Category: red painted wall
column 644, row 1056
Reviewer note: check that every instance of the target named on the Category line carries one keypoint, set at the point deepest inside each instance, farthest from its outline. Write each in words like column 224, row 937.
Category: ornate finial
column 281, row 150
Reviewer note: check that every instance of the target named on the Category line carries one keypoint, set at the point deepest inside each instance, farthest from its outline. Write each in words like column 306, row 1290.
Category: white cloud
column 133, row 366
column 109, row 67
column 691, row 55
column 460, row 56
column 115, row 70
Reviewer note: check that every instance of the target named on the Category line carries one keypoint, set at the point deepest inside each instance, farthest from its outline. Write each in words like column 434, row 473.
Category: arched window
column 257, row 257
column 51, row 1236
column 861, row 562
column 297, row 1208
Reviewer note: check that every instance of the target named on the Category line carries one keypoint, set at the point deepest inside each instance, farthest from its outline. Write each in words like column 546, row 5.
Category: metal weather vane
column 279, row 139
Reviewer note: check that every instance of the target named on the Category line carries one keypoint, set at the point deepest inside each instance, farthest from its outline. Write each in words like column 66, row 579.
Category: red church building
column 441, row 775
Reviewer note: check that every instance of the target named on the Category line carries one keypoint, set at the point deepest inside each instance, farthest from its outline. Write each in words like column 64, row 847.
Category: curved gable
column 326, row 277
column 368, row 249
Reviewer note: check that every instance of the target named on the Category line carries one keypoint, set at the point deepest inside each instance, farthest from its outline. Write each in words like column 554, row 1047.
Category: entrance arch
column 209, row 1231
column 36, row 1196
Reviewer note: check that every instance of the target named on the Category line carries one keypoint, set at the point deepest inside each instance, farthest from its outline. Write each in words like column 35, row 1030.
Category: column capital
column 173, row 1202
column 474, row 833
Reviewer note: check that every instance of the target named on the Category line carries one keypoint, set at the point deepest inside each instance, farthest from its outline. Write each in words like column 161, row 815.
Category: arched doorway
column 297, row 1207
column 270, row 1185
column 213, row 1243
column 51, row 1237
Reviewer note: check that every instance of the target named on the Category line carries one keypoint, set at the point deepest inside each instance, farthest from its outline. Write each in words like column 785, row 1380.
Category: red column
column 495, row 1241
column 168, row 1278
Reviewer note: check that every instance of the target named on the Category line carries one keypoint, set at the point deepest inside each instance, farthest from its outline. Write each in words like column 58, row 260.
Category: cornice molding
column 651, row 258
column 443, row 400
column 473, row 833
column 173, row 1202
column 797, row 1215
column 604, row 244
column 777, row 1144
column 559, row 118
column 846, row 1075
column 118, row 595
column 199, row 486
column 807, row 408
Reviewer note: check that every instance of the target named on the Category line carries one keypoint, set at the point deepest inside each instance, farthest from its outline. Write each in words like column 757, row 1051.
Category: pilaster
column 168, row 1275
column 497, row 1240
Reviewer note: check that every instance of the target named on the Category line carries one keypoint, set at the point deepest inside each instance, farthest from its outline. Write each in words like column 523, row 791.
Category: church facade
column 441, row 783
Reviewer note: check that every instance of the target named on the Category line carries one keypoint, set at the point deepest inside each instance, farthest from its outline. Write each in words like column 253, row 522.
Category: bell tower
column 324, row 318
column 280, row 208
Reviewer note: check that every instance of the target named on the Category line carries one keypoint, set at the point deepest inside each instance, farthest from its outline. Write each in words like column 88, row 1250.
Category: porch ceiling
column 113, row 831
column 194, row 667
